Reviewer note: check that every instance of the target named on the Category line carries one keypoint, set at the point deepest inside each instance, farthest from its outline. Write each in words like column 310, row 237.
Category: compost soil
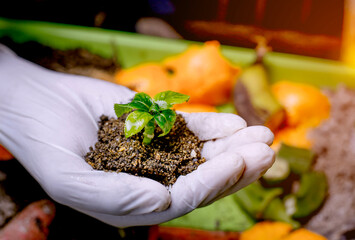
column 334, row 143
column 164, row 159
column 76, row 61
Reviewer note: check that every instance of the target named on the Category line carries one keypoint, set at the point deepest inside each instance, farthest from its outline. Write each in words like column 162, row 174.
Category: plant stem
column 148, row 132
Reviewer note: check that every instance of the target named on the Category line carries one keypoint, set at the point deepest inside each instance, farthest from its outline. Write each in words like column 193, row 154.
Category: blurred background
column 319, row 28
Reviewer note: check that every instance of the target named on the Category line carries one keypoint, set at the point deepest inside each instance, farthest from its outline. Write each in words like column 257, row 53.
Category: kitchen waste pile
column 334, row 143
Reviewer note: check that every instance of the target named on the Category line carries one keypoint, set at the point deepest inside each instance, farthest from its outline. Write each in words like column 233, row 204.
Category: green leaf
column 121, row 109
column 141, row 101
column 167, row 99
column 311, row 194
column 276, row 211
column 222, row 215
column 165, row 120
column 135, row 122
column 300, row 159
column 254, row 198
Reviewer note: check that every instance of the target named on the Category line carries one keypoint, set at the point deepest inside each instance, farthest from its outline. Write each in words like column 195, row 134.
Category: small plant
column 146, row 112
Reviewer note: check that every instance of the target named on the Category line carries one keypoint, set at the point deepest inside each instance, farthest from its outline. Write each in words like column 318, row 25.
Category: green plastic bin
column 132, row 49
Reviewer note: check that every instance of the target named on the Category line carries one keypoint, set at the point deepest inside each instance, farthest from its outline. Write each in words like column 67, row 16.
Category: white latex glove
column 48, row 121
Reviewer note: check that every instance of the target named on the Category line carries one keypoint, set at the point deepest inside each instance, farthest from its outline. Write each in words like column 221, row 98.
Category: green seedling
column 147, row 112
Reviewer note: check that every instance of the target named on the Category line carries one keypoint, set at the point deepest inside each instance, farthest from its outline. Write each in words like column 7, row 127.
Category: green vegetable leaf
column 165, row 120
column 141, row 101
column 254, row 198
column 135, row 122
column 222, row 215
column 276, row 211
column 299, row 159
column 167, row 99
column 311, row 194
column 121, row 109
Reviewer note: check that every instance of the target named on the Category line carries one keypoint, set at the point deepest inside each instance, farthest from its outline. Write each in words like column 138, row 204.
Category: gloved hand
column 48, row 121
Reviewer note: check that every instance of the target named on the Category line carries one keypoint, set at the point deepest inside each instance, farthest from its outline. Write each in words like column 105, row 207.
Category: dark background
column 305, row 27
column 319, row 17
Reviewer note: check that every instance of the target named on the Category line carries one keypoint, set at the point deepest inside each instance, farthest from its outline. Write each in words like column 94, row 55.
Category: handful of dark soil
column 164, row 159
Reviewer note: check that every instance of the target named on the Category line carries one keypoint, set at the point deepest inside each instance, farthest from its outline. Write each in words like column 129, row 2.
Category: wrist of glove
column 48, row 121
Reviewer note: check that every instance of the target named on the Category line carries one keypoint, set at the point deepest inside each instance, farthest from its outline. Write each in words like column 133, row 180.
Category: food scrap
column 200, row 72
column 306, row 107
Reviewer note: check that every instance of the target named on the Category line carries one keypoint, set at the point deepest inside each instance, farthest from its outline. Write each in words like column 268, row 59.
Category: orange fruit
column 200, row 72
column 267, row 231
column 4, row 154
column 203, row 73
column 293, row 136
column 194, row 107
column 302, row 102
column 150, row 78
column 305, row 106
column 303, row 234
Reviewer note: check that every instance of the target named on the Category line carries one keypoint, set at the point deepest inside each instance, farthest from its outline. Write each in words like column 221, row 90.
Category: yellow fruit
column 302, row 102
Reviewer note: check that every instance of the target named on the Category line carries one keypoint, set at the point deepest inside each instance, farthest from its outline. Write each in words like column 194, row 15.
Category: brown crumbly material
column 164, row 159
column 80, row 62
column 334, row 143
column 8, row 207
column 74, row 61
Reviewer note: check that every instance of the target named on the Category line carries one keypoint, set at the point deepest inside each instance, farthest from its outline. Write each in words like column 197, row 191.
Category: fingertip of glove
column 258, row 155
column 234, row 163
column 231, row 122
column 213, row 125
column 269, row 158
column 157, row 196
column 230, row 158
column 162, row 200
column 269, row 135
column 230, row 165
column 258, row 134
